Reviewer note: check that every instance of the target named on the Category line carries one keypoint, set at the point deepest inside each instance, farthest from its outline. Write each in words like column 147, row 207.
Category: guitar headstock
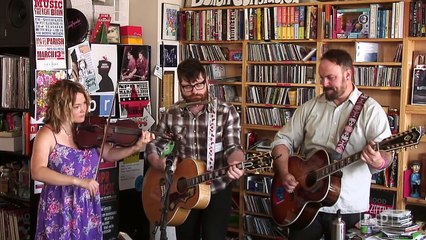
column 409, row 138
column 257, row 162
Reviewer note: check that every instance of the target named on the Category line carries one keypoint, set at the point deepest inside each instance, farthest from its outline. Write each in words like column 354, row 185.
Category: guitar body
column 299, row 208
column 182, row 198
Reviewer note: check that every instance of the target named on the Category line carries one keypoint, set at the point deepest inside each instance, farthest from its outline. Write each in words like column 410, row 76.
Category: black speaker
column 15, row 23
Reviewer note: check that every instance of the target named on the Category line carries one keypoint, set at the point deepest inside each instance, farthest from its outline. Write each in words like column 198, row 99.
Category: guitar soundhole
column 181, row 185
column 311, row 179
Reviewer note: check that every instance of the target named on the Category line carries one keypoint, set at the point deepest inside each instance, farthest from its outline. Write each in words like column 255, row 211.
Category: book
column 418, row 94
column 366, row 52
column 394, row 215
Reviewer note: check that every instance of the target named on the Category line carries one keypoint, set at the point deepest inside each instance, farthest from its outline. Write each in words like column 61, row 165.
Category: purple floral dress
column 69, row 212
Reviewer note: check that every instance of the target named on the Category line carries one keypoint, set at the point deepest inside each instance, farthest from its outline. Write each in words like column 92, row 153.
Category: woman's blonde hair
column 61, row 97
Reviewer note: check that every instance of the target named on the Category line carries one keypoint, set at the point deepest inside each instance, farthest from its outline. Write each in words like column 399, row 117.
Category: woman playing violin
column 69, row 206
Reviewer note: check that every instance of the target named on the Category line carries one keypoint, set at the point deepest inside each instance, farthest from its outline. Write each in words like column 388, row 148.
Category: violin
column 91, row 132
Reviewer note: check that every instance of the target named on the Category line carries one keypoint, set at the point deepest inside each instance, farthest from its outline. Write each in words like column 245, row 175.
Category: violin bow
column 105, row 130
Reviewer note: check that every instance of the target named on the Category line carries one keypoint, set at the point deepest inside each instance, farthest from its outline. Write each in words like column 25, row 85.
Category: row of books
column 259, row 225
column 377, row 76
column 205, row 52
column 257, row 204
column 14, row 222
column 15, row 81
column 375, row 21
column 268, row 95
column 269, row 23
column 300, row 74
column 300, row 96
column 417, row 19
column 268, row 116
column 280, row 52
column 227, row 93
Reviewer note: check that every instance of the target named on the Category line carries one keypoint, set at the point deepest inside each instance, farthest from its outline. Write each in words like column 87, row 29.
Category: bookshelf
column 17, row 57
column 272, row 52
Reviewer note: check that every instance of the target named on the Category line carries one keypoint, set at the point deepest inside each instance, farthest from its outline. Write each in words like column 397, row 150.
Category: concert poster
column 49, row 34
column 108, row 188
column 133, row 98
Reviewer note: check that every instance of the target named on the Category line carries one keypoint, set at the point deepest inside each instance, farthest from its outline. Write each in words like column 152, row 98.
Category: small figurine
column 415, row 179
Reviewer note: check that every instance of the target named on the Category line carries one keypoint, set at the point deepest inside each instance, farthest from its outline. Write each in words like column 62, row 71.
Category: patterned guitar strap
column 211, row 135
column 353, row 118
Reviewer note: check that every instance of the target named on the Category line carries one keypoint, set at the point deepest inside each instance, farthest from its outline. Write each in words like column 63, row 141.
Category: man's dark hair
column 190, row 69
column 339, row 57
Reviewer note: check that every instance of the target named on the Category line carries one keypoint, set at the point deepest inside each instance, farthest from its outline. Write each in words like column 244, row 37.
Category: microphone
column 168, row 153
column 168, row 170
column 187, row 104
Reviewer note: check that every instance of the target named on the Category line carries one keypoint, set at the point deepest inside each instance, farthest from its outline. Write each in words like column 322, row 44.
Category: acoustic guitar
column 189, row 189
column 319, row 182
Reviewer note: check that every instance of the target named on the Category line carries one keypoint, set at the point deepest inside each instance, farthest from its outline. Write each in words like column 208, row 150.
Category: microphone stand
column 169, row 154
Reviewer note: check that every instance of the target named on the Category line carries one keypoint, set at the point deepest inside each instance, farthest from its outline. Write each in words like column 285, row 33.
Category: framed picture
column 168, row 55
column 167, row 88
column 113, row 34
column 136, row 62
column 169, row 21
column 418, row 94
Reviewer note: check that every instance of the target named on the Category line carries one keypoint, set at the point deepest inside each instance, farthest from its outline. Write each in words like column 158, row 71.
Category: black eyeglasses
column 197, row 86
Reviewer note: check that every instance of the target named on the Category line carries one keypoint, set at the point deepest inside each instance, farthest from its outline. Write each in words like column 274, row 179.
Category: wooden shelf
column 416, row 201
column 393, row 97
column 415, row 109
column 381, row 187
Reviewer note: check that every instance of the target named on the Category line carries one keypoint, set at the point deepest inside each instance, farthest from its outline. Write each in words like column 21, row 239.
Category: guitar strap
column 353, row 118
column 211, row 135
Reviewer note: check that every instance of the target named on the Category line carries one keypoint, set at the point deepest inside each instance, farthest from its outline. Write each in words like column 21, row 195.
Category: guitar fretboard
column 261, row 161
column 336, row 166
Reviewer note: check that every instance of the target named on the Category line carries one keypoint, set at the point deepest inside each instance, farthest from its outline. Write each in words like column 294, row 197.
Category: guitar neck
column 205, row 177
column 255, row 163
column 337, row 165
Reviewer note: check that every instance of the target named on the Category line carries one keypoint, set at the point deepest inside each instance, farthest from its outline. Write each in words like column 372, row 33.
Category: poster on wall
column 104, row 58
column 81, row 67
column 135, row 64
column 108, row 188
column 43, row 79
column 49, row 34
column 133, row 98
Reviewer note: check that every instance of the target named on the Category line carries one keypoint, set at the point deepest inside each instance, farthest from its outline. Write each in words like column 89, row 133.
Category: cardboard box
column 131, row 40
column 131, row 35
column 11, row 144
column 131, row 31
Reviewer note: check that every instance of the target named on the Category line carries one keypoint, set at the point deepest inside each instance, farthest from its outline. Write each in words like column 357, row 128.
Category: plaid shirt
column 194, row 128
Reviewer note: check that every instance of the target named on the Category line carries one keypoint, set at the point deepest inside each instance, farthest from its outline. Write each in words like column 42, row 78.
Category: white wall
column 147, row 13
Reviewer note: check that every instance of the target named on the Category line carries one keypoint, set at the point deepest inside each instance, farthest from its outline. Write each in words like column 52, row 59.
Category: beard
column 196, row 97
column 333, row 93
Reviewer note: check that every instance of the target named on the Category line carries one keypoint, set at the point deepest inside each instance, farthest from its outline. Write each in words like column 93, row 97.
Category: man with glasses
column 208, row 130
